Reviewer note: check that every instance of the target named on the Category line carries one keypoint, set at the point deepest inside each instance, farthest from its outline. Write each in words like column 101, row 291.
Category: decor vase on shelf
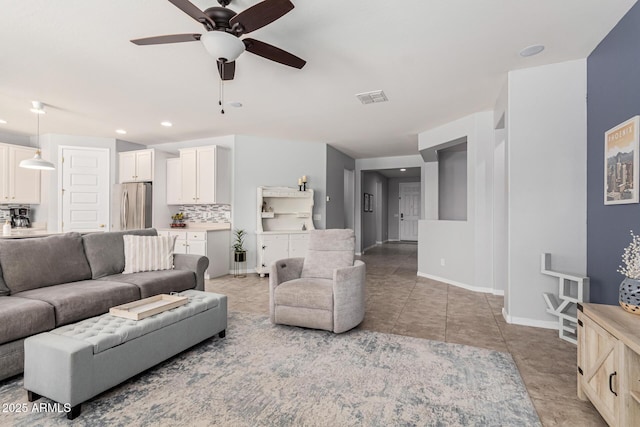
column 629, row 292
column 239, row 253
column 630, row 295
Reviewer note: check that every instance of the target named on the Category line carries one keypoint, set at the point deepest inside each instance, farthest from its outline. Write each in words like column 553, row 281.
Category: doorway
column 409, row 210
column 84, row 190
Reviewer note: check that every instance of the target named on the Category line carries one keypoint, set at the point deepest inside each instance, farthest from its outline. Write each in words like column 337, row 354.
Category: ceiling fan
column 224, row 27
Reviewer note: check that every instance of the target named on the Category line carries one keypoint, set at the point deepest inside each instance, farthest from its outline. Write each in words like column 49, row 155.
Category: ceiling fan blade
column 261, row 14
column 273, row 53
column 173, row 38
column 192, row 10
column 227, row 70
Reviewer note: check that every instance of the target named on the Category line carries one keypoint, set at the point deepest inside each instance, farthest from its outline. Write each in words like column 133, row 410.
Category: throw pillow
column 148, row 253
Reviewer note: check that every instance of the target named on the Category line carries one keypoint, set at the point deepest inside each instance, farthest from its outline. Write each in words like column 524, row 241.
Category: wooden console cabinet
column 609, row 362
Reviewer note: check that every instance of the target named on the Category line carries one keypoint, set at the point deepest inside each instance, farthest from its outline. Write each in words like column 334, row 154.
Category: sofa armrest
column 282, row 271
column 348, row 296
column 196, row 263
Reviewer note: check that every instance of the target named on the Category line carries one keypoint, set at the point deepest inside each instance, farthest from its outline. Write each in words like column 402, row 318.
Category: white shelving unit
column 572, row 289
column 284, row 216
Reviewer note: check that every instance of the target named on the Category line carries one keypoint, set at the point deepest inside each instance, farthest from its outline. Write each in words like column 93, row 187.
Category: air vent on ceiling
column 372, row 97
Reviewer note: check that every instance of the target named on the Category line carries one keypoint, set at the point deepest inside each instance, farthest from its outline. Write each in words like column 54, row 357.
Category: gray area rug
column 266, row 375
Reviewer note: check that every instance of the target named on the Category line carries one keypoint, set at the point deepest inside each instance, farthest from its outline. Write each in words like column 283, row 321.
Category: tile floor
column 401, row 303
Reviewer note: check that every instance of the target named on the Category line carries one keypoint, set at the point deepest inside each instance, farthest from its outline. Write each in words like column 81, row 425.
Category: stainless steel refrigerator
column 131, row 206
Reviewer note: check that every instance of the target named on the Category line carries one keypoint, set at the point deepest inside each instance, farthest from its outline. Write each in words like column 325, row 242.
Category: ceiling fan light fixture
column 222, row 45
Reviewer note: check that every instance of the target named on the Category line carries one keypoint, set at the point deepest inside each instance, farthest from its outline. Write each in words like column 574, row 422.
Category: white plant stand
column 572, row 289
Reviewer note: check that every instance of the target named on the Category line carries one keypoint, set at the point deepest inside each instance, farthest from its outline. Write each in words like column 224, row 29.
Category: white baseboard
column 546, row 324
column 379, row 243
column 358, row 253
column 481, row 289
column 368, row 247
column 393, row 240
column 249, row 271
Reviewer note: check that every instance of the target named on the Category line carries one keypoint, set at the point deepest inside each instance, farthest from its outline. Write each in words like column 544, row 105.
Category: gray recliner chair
column 324, row 290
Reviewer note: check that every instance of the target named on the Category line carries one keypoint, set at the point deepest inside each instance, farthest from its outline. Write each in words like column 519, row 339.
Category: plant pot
column 240, row 256
column 629, row 295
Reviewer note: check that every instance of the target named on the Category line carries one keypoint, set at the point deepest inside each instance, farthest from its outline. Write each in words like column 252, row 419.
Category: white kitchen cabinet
column 174, row 182
column 214, row 244
column 205, row 175
column 283, row 218
column 135, row 166
column 275, row 246
column 18, row 185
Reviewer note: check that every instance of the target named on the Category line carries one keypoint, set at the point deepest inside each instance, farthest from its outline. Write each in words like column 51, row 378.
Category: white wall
column 462, row 245
column 381, row 163
column 547, row 182
column 273, row 162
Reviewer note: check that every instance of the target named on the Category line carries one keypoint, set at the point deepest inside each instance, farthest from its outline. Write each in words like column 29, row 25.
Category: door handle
column 611, row 383
column 401, row 216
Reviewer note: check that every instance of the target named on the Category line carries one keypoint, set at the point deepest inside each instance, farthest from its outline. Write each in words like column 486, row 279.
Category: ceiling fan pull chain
column 221, row 99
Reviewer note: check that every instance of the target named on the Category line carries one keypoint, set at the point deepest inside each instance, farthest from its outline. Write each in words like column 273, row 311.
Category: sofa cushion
column 21, row 317
column 328, row 250
column 43, row 261
column 308, row 293
column 157, row 282
column 80, row 300
column 105, row 251
column 148, row 253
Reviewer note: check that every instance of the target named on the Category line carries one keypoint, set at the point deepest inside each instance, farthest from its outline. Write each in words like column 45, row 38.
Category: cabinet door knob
column 611, row 383
column 264, row 247
column 101, row 225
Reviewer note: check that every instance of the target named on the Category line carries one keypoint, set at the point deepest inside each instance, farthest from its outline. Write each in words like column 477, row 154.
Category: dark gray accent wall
column 613, row 89
column 452, row 185
column 337, row 162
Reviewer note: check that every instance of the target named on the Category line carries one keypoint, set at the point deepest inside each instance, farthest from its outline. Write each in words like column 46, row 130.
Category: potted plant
column 239, row 253
column 629, row 292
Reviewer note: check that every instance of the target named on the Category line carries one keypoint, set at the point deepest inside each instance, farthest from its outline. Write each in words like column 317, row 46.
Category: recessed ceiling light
column 235, row 104
column 121, row 131
column 166, row 124
column 3, row 122
column 403, row 170
column 531, row 50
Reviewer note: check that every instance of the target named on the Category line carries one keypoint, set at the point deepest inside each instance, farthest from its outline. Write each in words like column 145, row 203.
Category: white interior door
column 409, row 210
column 85, row 189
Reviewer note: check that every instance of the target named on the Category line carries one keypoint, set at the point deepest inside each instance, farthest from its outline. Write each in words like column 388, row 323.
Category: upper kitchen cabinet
column 205, row 175
column 136, row 166
column 18, row 185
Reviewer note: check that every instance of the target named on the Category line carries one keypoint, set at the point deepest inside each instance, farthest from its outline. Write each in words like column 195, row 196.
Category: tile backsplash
column 206, row 213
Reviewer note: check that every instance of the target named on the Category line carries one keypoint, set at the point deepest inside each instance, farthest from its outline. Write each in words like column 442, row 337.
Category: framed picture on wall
column 621, row 163
column 365, row 203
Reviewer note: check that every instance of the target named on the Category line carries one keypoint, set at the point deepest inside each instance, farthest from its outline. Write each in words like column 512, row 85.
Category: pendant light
column 37, row 162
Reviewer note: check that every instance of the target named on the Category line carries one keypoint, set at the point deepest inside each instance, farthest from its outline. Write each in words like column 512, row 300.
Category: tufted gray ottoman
column 73, row 363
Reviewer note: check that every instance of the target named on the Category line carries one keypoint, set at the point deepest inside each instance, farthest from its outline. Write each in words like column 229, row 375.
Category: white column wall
column 547, row 158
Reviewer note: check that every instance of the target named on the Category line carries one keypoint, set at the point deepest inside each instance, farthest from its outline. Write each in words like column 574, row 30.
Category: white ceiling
column 437, row 60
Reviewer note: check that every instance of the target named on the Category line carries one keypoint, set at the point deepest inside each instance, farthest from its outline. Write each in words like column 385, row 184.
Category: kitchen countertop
column 199, row 227
column 28, row 232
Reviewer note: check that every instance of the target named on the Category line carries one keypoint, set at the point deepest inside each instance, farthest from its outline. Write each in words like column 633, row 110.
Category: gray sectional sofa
column 53, row 281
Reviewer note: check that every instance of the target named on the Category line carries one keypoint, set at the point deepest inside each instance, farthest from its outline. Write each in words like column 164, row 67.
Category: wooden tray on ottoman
column 138, row 310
